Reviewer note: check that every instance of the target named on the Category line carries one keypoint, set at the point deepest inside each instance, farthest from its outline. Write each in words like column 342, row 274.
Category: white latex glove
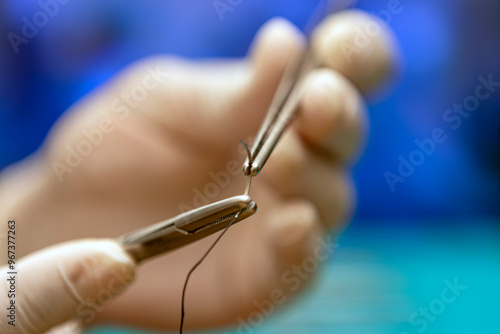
column 64, row 286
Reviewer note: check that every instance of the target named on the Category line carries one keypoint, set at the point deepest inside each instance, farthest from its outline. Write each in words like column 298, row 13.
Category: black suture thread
column 183, row 298
column 247, row 148
column 197, row 264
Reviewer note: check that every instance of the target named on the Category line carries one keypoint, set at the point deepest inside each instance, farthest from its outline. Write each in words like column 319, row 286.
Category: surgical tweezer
column 281, row 112
column 186, row 227
column 285, row 102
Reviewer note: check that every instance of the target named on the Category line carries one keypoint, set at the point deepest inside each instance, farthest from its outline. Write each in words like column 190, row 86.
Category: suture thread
column 247, row 190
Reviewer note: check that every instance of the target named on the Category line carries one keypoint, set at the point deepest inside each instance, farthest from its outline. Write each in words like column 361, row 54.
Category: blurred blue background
column 440, row 223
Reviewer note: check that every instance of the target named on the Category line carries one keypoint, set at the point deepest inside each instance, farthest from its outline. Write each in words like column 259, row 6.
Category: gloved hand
column 73, row 280
column 163, row 137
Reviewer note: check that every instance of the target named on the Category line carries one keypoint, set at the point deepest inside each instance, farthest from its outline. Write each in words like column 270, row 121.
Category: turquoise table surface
column 401, row 279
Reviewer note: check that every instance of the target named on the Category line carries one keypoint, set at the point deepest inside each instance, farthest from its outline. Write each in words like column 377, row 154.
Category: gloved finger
column 292, row 228
column 297, row 171
column 74, row 279
column 360, row 46
column 295, row 246
column 332, row 117
column 289, row 233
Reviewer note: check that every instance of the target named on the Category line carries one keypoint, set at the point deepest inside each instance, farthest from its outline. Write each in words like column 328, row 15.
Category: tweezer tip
column 250, row 169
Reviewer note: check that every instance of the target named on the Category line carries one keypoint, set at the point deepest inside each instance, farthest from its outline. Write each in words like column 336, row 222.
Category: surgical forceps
column 186, row 227
column 281, row 112
column 285, row 103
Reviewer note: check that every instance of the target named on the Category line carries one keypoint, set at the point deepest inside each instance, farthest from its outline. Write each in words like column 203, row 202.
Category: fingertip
column 276, row 42
column 361, row 47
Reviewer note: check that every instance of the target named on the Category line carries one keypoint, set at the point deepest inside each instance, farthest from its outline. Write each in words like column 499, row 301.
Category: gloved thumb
column 74, row 280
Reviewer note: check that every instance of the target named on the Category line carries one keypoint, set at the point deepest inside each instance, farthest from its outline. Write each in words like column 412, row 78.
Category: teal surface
column 381, row 277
